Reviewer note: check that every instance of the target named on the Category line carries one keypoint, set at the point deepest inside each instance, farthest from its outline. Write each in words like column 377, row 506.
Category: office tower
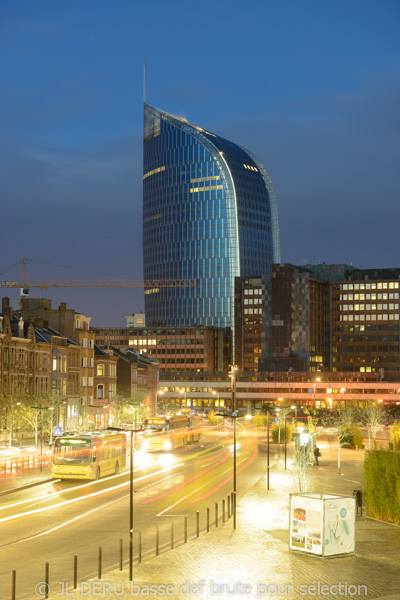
column 209, row 213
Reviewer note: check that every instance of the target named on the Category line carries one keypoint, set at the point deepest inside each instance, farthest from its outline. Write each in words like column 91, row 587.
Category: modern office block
column 209, row 213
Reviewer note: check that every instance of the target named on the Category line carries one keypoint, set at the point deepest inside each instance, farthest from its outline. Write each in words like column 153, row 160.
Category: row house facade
column 62, row 370
column 76, row 327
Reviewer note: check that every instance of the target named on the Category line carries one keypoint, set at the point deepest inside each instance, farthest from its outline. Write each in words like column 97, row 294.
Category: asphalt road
column 52, row 522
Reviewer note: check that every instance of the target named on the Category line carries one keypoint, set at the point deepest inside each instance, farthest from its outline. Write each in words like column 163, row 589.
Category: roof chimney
column 6, row 308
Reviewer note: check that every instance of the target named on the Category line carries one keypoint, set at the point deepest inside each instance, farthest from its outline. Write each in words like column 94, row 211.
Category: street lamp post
column 285, row 439
column 131, row 508
column 216, row 394
column 234, row 415
column 132, row 431
column 268, row 449
column 317, row 379
column 183, row 391
column 12, row 421
column 159, row 393
column 40, row 409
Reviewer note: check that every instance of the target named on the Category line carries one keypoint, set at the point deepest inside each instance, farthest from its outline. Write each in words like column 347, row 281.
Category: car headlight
column 167, row 445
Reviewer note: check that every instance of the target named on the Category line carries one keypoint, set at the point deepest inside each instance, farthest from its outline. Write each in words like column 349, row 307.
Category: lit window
column 153, row 172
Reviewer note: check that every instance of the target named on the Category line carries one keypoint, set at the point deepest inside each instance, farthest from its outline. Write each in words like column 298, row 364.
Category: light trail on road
column 80, row 498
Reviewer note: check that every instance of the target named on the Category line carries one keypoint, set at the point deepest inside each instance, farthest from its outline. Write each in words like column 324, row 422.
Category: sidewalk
column 255, row 562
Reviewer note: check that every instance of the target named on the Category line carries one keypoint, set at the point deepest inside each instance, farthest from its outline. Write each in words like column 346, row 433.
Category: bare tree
column 372, row 417
column 300, row 468
column 343, row 420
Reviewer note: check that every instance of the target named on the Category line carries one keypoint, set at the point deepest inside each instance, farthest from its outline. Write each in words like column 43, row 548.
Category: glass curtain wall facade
column 209, row 213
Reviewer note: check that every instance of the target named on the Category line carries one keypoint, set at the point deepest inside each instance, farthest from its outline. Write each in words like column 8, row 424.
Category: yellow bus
column 88, row 455
column 167, row 433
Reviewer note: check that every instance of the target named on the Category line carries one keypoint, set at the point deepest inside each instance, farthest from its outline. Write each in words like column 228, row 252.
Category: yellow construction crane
column 24, row 284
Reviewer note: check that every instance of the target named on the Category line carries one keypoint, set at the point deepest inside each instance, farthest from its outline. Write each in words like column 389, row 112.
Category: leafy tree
column 131, row 411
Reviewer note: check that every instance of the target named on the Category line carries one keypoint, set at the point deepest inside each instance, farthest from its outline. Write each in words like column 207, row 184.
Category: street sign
column 277, row 420
column 57, row 431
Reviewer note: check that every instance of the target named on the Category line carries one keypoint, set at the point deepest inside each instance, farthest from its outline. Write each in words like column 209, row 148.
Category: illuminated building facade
column 176, row 349
column 209, row 214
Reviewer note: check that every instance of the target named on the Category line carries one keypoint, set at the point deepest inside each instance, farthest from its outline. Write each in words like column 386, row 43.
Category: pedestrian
column 317, row 453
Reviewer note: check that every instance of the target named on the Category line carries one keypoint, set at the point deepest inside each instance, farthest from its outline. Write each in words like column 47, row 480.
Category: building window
column 100, row 370
column 100, row 391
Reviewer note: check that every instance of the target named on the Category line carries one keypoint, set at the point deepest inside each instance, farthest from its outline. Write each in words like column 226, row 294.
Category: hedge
column 351, row 436
column 396, row 436
column 275, row 432
column 382, row 485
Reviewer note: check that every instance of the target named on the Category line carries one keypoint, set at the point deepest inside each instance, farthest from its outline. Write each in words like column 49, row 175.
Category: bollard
column 46, row 579
column 13, row 584
column 75, row 571
column 223, row 510
column 157, row 541
column 121, row 550
column 197, row 523
column 139, row 547
column 185, row 531
column 100, row 561
column 216, row 514
column 172, row 535
column 229, row 507
column 208, row 519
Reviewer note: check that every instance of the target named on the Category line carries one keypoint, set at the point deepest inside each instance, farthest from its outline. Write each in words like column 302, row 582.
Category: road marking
column 66, row 502
column 32, row 537
column 46, row 497
column 195, row 491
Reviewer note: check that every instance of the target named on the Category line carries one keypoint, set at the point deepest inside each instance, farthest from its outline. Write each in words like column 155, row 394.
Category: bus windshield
column 156, row 426
column 71, row 451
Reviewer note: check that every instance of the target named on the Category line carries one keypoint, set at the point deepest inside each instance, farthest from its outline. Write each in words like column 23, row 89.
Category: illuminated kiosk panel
column 322, row 524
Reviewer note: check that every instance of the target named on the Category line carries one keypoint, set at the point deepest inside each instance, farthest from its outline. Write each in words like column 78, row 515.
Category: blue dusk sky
column 311, row 87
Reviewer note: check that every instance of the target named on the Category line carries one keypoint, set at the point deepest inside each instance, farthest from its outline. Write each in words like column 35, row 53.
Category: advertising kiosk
column 322, row 524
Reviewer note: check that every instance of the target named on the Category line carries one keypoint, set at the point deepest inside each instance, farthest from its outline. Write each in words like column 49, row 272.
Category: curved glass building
column 209, row 213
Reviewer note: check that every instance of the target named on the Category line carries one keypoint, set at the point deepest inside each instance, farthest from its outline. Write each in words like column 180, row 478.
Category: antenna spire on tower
column 145, row 79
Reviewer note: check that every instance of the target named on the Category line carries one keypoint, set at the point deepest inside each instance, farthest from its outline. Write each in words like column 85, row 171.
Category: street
column 54, row 521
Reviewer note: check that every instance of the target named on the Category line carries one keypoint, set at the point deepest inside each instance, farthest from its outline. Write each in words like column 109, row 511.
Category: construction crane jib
column 24, row 284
